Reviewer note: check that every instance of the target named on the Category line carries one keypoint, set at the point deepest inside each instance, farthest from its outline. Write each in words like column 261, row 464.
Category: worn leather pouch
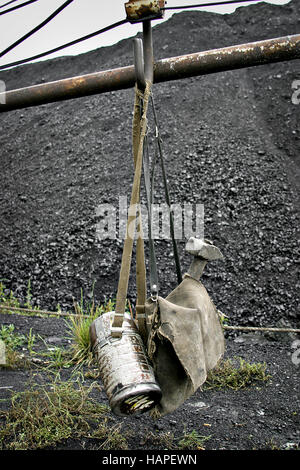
column 185, row 341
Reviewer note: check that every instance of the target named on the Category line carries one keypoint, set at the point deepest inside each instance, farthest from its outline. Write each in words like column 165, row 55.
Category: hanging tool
column 117, row 343
column 202, row 251
column 142, row 368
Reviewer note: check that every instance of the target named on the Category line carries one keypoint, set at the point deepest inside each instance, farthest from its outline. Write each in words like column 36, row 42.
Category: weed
column 53, row 358
column 12, row 342
column 115, row 438
column 224, row 319
column 273, row 445
column 227, row 375
column 192, row 441
column 14, row 360
column 7, row 298
column 43, row 415
column 30, row 341
column 79, row 328
column 93, row 374
column 10, row 338
column 164, row 440
column 28, row 295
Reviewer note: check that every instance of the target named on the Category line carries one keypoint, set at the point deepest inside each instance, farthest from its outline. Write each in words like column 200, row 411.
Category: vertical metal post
column 148, row 50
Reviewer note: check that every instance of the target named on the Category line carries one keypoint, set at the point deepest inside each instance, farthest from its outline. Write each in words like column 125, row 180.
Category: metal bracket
column 141, row 10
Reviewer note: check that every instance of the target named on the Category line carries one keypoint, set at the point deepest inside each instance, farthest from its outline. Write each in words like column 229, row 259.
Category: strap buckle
column 140, row 312
column 117, row 330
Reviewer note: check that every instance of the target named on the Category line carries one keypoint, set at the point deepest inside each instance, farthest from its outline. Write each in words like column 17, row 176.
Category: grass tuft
column 227, row 375
column 192, row 441
column 79, row 329
column 13, row 341
column 44, row 415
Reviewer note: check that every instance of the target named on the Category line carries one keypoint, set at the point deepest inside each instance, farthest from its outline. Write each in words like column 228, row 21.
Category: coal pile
column 231, row 142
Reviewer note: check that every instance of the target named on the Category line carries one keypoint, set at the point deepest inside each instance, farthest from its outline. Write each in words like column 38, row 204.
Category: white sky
column 78, row 19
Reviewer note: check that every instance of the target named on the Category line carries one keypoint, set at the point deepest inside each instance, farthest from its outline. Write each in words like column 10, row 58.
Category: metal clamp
column 141, row 10
column 154, row 293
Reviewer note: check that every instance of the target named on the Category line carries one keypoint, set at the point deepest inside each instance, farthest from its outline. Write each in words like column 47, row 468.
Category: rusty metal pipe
column 174, row 68
column 69, row 88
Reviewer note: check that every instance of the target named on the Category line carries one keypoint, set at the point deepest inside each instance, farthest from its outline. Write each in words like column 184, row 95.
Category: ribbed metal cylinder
column 124, row 367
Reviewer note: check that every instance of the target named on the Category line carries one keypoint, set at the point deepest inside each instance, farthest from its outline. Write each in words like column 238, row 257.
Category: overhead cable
column 56, row 49
column 88, row 36
column 8, row 3
column 16, row 7
column 227, row 2
column 37, row 28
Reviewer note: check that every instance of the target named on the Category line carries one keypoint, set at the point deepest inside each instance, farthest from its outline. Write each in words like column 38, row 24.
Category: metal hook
column 143, row 56
column 139, row 63
column 148, row 51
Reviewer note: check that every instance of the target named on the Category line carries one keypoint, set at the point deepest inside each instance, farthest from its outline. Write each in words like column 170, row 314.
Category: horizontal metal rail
column 200, row 63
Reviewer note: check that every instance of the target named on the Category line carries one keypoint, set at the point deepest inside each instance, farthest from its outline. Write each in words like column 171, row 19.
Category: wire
column 183, row 7
column 56, row 49
column 18, row 6
column 37, row 28
column 8, row 3
column 84, row 38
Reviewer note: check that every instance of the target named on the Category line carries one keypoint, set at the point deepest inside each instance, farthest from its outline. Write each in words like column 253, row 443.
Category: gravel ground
column 231, row 142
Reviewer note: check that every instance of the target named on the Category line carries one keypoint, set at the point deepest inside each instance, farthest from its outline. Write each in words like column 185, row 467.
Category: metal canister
column 124, row 367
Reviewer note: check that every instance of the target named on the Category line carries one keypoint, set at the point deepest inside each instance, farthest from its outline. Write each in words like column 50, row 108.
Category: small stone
column 199, row 404
column 239, row 340
column 158, row 426
column 54, row 339
column 290, row 445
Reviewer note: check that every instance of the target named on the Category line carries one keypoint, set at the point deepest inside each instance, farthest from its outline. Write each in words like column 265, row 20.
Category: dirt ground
column 231, row 142
column 264, row 416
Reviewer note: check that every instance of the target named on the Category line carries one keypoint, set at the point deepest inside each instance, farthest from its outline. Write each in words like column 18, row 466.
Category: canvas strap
column 133, row 220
